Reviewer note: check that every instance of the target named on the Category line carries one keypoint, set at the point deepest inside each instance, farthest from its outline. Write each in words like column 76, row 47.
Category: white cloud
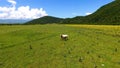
column 12, row 2
column 88, row 13
column 22, row 12
column 3, row 14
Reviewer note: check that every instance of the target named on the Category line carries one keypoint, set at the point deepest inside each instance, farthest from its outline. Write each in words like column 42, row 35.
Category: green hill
column 108, row 14
column 45, row 19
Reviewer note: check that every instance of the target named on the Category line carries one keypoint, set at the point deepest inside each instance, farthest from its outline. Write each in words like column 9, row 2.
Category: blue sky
column 57, row 8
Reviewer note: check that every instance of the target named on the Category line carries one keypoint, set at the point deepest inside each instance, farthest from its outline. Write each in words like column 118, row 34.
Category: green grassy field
column 40, row 46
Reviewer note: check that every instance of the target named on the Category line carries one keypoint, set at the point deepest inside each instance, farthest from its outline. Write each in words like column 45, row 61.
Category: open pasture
column 40, row 46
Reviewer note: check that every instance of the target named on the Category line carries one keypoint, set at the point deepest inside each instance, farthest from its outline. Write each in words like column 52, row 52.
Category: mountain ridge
column 106, row 15
column 45, row 19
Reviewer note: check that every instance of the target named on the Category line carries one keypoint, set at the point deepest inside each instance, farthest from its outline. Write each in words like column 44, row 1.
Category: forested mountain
column 108, row 14
column 45, row 19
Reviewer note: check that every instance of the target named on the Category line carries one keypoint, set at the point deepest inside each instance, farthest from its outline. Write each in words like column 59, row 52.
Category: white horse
column 64, row 36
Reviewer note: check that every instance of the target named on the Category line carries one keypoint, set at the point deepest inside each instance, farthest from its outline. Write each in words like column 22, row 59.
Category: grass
column 89, row 46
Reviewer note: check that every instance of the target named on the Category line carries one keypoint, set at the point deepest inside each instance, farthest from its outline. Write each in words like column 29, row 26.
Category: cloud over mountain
column 88, row 13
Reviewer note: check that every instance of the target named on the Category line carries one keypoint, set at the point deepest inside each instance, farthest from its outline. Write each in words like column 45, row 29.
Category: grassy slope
column 95, row 44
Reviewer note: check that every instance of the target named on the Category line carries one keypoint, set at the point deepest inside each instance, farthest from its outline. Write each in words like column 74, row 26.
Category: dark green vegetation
column 107, row 15
column 40, row 46
column 45, row 20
